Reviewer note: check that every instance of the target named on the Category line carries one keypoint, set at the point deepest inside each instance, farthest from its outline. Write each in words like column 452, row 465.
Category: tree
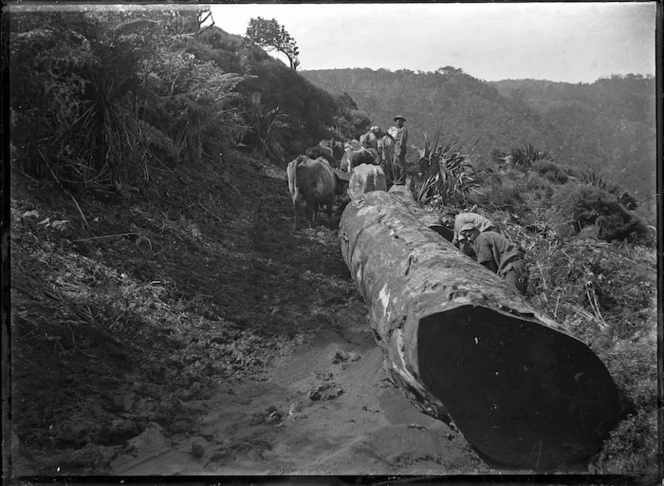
column 271, row 36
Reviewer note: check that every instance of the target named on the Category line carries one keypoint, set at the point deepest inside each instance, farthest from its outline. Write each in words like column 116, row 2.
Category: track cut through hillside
column 191, row 331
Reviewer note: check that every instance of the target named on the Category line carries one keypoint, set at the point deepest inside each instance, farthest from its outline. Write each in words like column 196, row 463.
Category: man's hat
column 467, row 227
column 446, row 218
column 399, row 117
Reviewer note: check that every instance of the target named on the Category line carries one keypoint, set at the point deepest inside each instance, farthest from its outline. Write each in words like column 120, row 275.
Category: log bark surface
column 462, row 343
column 429, row 219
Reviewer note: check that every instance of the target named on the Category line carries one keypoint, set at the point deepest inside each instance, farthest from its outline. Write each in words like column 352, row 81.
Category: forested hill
column 608, row 125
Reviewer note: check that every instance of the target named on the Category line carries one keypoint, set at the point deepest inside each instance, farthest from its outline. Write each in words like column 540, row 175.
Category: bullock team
column 375, row 161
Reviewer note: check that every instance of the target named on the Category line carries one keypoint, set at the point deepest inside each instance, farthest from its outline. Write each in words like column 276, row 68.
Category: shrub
column 523, row 157
column 537, row 190
column 446, row 174
column 631, row 447
column 96, row 96
column 68, row 119
column 552, row 171
column 499, row 192
column 266, row 128
column 584, row 204
column 605, row 295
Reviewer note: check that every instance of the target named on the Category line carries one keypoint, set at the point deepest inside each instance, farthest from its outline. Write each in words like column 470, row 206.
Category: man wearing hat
column 454, row 220
column 400, row 147
column 497, row 254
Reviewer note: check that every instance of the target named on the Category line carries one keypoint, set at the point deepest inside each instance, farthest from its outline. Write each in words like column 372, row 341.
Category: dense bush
column 266, row 129
column 538, row 190
column 524, row 157
column 445, row 174
column 499, row 192
column 552, row 171
column 605, row 296
column 587, row 205
column 561, row 196
column 101, row 98
column 98, row 98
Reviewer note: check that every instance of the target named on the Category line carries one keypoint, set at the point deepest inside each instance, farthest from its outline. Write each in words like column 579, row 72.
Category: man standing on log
column 497, row 254
column 400, row 148
column 452, row 220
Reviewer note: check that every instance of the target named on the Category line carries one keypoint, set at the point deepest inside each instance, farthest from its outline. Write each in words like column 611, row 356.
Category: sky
column 570, row 42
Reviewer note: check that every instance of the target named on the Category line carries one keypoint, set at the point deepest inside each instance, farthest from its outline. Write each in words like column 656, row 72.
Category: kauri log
column 462, row 343
column 429, row 219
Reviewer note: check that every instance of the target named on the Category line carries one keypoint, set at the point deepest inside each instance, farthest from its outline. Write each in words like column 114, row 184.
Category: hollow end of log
column 521, row 393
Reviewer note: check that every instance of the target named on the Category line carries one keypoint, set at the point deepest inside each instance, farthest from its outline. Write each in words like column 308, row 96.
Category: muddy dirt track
column 328, row 409
column 324, row 406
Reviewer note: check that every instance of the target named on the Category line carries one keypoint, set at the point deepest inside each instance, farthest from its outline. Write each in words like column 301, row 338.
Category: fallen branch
column 103, row 236
column 217, row 217
column 86, row 225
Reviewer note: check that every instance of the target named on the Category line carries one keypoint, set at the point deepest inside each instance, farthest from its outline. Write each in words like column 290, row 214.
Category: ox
column 341, row 181
column 352, row 145
column 336, row 146
column 366, row 178
column 311, row 181
column 320, row 151
column 370, row 139
column 354, row 157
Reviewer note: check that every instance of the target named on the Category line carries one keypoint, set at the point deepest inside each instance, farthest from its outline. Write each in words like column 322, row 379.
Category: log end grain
column 520, row 392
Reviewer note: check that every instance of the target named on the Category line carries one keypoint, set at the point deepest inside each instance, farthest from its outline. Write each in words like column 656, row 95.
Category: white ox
column 366, row 178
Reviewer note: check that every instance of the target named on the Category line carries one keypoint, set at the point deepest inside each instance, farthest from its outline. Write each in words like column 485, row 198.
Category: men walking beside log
column 496, row 253
column 400, row 148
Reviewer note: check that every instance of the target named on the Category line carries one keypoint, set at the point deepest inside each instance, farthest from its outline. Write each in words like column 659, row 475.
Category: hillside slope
column 609, row 124
column 192, row 331
column 164, row 297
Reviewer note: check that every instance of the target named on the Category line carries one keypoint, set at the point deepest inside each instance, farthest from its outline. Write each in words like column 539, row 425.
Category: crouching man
column 455, row 221
column 496, row 253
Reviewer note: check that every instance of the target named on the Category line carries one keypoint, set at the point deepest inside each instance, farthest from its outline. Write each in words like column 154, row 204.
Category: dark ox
column 371, row 139
column 336, row 146
column 311, row 181
column 352, row 158
column 320, row 151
